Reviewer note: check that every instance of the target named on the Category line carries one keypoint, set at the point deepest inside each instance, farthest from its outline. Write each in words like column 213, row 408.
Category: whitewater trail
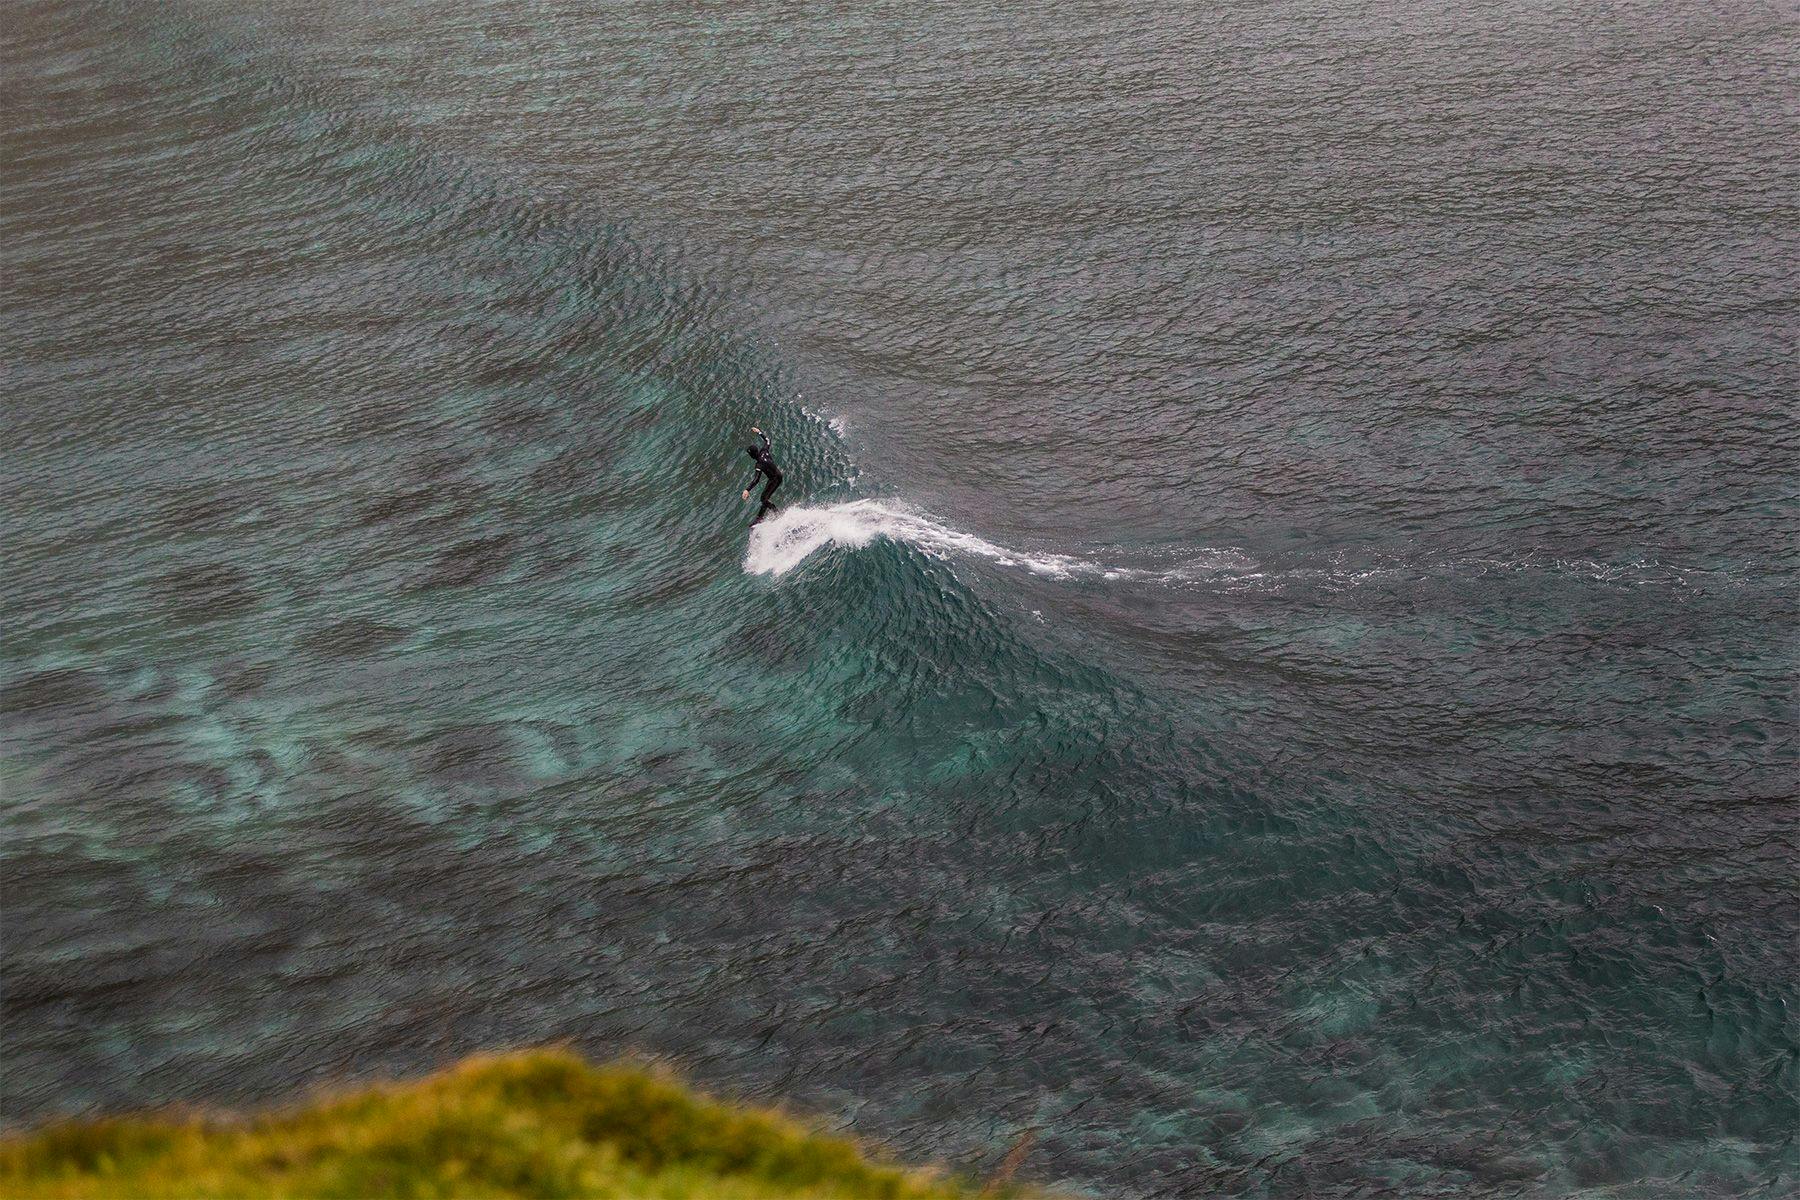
column 792, row 535
column 785, row 540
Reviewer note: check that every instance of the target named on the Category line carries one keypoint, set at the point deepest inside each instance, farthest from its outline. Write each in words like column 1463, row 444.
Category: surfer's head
column 750, row 450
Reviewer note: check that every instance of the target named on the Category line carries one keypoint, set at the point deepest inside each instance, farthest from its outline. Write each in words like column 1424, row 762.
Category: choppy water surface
column 1278, row 671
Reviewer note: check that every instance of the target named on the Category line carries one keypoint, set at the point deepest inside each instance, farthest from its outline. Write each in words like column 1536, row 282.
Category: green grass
column 539, row 1123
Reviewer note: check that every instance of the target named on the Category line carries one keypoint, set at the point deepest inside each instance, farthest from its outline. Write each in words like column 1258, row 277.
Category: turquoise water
column 1277, row 669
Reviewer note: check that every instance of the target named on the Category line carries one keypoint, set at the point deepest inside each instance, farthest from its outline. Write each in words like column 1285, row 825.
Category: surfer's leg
column 768, row 505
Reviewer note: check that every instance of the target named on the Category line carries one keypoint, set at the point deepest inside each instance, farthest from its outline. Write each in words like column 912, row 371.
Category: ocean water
column 1277, row 669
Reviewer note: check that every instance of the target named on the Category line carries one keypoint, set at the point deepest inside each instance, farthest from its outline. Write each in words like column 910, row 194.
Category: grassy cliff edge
column 534, row 1123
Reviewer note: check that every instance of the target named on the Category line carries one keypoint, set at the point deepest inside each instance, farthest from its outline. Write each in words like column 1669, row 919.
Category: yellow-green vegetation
column 539, row 1123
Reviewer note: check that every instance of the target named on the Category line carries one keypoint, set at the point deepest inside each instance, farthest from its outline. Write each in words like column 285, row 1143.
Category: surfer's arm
column 758, row 474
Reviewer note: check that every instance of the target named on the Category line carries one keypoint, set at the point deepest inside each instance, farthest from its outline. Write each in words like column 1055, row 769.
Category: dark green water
column 1278, row 670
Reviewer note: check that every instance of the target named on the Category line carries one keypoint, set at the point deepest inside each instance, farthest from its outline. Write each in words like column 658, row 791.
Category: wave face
column 1274, row 672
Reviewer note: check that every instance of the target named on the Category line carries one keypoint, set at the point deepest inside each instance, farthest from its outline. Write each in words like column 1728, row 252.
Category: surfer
column 765, row 468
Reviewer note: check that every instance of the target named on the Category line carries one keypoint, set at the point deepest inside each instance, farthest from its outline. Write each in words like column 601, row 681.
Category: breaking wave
column 785, row 540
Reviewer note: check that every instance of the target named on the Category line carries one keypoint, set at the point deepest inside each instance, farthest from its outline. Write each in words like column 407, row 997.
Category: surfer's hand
column 746, row 493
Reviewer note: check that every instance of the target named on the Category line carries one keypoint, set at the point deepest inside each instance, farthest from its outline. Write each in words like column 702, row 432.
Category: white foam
column 791, row 535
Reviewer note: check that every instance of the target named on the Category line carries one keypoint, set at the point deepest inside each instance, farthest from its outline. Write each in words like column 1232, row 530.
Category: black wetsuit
column 765, row 467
